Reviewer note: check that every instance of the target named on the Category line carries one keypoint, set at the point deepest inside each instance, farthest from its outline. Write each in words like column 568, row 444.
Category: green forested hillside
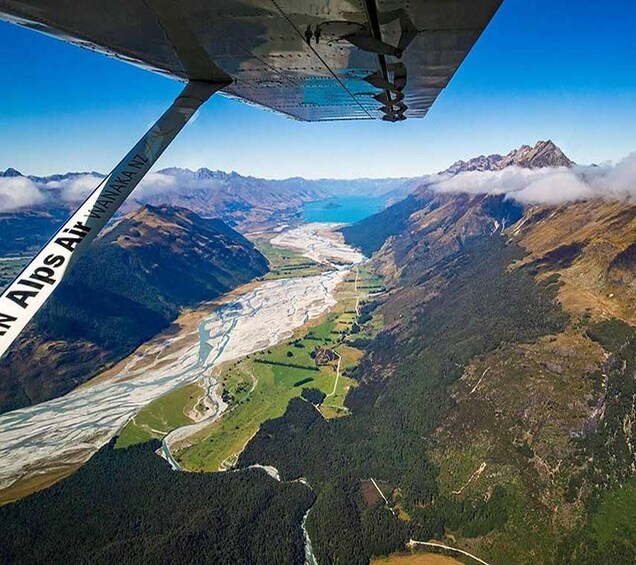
column 369, row 234
column 128, row 506
column 385, row 438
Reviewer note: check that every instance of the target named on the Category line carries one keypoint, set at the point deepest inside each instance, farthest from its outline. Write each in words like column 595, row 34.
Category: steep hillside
column 371, row 233
column 443, row 225
column 590, row 245
column 410, row 227
column 553, row 421
column 130, row 285
column 496, row 410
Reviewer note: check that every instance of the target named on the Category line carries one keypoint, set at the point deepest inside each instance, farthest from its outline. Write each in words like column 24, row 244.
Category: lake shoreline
column 342, row 209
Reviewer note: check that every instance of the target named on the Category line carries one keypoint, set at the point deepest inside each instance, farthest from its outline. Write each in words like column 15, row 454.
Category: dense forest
column 128, row 506
column 483, row 305
column 606, row 481
column 25, row 233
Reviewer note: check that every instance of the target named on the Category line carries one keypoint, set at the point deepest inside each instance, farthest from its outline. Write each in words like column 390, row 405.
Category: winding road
column 413, row 543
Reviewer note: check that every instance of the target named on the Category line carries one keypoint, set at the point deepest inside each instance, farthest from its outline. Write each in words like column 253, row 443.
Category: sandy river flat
column 65, row 431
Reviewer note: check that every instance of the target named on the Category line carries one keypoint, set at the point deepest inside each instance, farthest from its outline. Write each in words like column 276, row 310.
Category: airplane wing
column 310, row 59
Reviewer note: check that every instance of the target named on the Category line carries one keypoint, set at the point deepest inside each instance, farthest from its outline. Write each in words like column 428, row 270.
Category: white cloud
column 75, row 188
column 154, row 184
column 549, row 185
column 18, row 192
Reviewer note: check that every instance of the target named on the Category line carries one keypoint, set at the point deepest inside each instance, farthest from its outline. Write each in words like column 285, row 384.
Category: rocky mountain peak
column 11, row 172
column 543, row 154
column 481, row 163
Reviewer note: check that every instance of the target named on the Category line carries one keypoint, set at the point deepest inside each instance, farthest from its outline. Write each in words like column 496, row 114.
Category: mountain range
column 468, row 214
column 241, row 201
column 510, row 347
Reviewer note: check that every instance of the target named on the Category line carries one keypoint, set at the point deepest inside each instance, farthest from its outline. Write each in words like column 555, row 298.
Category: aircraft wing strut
column 35, row 284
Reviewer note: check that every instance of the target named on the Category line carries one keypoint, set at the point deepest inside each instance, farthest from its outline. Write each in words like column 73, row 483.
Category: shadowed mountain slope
column 129, row 286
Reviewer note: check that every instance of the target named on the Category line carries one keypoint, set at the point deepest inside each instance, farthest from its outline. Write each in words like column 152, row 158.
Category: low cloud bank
column 78, row 187
column 75, row 188
column 528, row 186
column 548, row 185
column 155, row 184
column 22, row 192
column 18, row 192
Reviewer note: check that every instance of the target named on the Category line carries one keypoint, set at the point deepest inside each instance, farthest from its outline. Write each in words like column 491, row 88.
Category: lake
column 342, row 209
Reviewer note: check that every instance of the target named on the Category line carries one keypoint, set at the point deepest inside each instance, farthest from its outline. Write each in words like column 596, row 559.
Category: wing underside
column 313, row 60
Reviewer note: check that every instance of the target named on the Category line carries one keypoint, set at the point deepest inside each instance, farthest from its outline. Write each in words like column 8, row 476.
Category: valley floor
column 320, row 355
column 52, row 438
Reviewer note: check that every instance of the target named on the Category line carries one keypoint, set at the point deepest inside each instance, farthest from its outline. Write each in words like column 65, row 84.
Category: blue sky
column 544, row 69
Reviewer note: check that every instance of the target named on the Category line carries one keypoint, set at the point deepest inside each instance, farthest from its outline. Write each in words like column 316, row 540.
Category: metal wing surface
column 313, row 60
